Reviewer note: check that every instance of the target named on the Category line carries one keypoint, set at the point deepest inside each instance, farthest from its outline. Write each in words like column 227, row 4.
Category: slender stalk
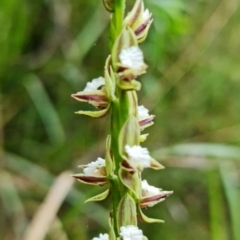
column 119, row 115
column 117, row 20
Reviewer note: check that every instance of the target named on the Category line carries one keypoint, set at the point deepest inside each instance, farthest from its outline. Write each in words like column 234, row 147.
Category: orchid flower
column 152, row 195
column 140, row 20
column 131, row 233
column 94, row 173
column 145, row 120
column 138, row 158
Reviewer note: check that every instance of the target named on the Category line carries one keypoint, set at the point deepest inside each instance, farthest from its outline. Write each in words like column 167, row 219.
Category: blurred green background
column 49, row 49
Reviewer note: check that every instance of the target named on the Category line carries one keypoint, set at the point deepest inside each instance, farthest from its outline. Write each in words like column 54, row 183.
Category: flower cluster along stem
column 125, row 159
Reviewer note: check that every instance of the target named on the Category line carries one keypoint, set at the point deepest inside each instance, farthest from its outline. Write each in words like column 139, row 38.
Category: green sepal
column 126, row 39
column 129, row 85
column 147, row 219
column 110, row 82
column 94, row 114
column 110, row 163
column 155, row 164
column 111, row 234
column 131, row 180
column 99, row 197
column 129, row 134
column 131, row 98
column 127, row 212
column 143, row 137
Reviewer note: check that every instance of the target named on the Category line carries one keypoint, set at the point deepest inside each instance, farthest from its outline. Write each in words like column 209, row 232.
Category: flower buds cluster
column 125, row 159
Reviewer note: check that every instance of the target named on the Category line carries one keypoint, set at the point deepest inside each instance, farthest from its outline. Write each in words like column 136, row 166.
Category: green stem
column 117, row 20
column 117, row 119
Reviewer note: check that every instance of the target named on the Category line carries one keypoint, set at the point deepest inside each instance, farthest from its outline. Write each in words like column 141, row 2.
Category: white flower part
column 146, row 15
column 138, row 156
column 148, row 190
column 94, row 84
column 96, row 168
column 131, row 233
column 142, row 113
column 102, row 237
column 132, row 58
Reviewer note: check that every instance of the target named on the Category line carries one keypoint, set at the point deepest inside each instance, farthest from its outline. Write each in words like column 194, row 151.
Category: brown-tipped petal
column 156, row 165
column 96, row 98
column 146, row 122
column 94, row 114
column 141, row 36
column 141, row 30
column 92, row 180
column 152, row 200
column 147, row 219
column 99, row 197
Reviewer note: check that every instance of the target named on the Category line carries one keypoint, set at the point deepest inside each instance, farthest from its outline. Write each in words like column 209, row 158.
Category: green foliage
column 50, row 49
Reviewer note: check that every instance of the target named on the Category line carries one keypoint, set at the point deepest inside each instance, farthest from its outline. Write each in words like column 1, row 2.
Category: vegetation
column 50, row 49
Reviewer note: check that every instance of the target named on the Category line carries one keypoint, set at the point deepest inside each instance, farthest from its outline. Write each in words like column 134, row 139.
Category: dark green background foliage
column 50, row 49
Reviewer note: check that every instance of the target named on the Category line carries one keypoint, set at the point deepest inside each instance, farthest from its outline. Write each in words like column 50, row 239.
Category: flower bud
column 139, row 20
